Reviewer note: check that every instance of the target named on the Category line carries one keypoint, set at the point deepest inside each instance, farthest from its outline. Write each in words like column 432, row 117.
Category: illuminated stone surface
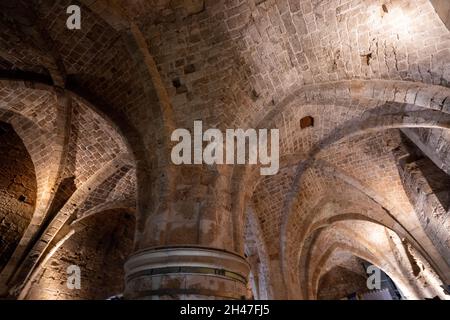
column 87, row 146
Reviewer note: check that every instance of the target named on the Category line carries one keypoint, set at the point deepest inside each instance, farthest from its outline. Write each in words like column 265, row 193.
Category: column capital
column 186, row 272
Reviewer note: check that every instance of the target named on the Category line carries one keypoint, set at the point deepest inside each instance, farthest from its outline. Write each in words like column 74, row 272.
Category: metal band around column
column 187, row 260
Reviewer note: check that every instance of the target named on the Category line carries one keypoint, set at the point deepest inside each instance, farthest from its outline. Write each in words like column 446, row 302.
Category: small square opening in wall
column 306, row 122
column 176, row 83
column 189, row 69
column 181, row 88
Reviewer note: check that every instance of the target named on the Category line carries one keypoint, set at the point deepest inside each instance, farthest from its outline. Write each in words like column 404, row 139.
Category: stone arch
column 258, row 53
column 426, row 185
column 113, row 119
column 33, row 135
column 404, row 92
column 313, row 227
column 388, row 211
column 103, row 276
column 256, row 252
column 41, row 91
column 370, row 123
column 20, row 277
column 22, row 109
column 343, row 278
column 359, row 253
column 401, row 93
column 18, row 190
column 367, row 252
column 361, row 126
column 127, row 206
column 75, row 227
column 392, row 255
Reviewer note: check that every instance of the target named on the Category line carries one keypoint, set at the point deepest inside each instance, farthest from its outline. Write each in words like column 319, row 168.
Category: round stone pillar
column 186, row 273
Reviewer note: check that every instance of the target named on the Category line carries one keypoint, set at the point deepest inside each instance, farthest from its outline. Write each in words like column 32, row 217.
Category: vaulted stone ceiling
column 88, row 115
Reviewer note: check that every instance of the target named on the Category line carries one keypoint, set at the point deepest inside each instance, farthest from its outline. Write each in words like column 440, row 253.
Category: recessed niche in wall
column 307, row 122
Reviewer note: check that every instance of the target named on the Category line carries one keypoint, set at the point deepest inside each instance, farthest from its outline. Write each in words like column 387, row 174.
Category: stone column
column 186, row 248
column 188, row 242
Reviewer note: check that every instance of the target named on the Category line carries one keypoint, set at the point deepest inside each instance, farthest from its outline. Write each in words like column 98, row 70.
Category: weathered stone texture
column 100, row 249
column 90, row 113
column 17, row 191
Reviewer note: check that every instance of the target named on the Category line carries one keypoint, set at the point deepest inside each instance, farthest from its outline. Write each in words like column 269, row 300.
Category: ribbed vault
column 358, row 89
